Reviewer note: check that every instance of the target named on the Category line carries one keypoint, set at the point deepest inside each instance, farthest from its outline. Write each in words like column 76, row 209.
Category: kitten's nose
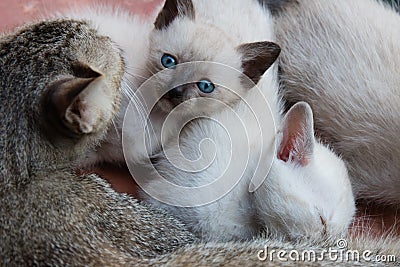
column 176, row 93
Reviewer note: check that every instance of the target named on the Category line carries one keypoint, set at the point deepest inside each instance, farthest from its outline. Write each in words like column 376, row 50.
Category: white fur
column 343, row 58
column 195, row 41
column 292, row 198
column 290, row 202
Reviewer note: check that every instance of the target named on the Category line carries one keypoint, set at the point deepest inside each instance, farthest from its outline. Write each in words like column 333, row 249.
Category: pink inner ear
column 297, row 143
column 292, row 147
column 284, row 152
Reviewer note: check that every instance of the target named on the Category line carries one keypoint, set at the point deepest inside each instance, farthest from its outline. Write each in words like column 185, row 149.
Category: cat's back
column 342, row 58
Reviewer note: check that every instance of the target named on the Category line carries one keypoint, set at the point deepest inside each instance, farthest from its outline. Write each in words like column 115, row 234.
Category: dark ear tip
column 275, row 49
column 171, row 10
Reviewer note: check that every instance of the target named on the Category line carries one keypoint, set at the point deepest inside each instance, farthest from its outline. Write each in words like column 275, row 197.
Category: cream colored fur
column 245, row 253
column 131, row 34
column 343, row 58
column 236, row 220
column 294, row 200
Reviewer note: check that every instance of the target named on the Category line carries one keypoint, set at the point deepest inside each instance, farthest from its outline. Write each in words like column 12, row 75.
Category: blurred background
column 16, row 12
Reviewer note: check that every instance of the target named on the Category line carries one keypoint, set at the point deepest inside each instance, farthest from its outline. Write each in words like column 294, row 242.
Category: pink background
column 15, row 12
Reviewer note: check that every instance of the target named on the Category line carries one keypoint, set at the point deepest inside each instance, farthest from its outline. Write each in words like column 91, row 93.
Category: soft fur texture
column 38, row 224
column 60, row 88
column 131, row 34
column 279, row 205
column 346, row 66
column 294, row 200
column 247, row 221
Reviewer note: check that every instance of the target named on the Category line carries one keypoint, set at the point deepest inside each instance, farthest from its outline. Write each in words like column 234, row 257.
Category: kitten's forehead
column 191, row 41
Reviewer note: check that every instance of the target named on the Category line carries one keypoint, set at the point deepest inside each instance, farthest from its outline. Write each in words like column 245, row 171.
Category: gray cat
column 59, row 90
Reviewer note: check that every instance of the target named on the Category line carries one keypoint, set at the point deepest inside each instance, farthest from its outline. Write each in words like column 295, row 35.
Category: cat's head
column 315, row 180
column 71, row 77
column 78, row 104
column 179, row 39
column 61, row 91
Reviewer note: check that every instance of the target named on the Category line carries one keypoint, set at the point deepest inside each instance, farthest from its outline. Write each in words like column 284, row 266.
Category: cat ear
column 297, row 144
column 257, row 58
column 74, row 102
column 171, row 10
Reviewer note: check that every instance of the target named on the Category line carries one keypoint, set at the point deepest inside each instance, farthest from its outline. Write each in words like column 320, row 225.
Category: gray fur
column 245, row 254
column 49, row 215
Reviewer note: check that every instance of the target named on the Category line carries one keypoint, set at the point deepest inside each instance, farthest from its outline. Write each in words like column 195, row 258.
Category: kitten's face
column 183, row 49
column 174, row 54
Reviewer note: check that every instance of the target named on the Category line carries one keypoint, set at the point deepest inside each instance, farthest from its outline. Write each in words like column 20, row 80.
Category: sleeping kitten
column 343, row 58
column 307, row 191
column 39, row 225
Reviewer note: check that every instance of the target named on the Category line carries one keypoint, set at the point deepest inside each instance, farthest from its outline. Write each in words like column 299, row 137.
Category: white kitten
column 307, row 191
column 343, row 58
column 294, row 199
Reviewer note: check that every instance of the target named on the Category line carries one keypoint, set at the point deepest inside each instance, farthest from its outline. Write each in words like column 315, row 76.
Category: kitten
column 139, row 70
column 306, row 193
column 341, row 57
column 60, row 88
column 122, row 232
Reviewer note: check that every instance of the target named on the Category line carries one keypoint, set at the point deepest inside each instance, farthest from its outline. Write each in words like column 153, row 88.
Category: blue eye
column 168, row 61
column 206, row 86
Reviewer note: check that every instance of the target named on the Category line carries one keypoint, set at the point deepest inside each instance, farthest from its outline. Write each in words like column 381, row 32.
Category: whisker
column 116, row 128
column 129, row 89
column 134, row 75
